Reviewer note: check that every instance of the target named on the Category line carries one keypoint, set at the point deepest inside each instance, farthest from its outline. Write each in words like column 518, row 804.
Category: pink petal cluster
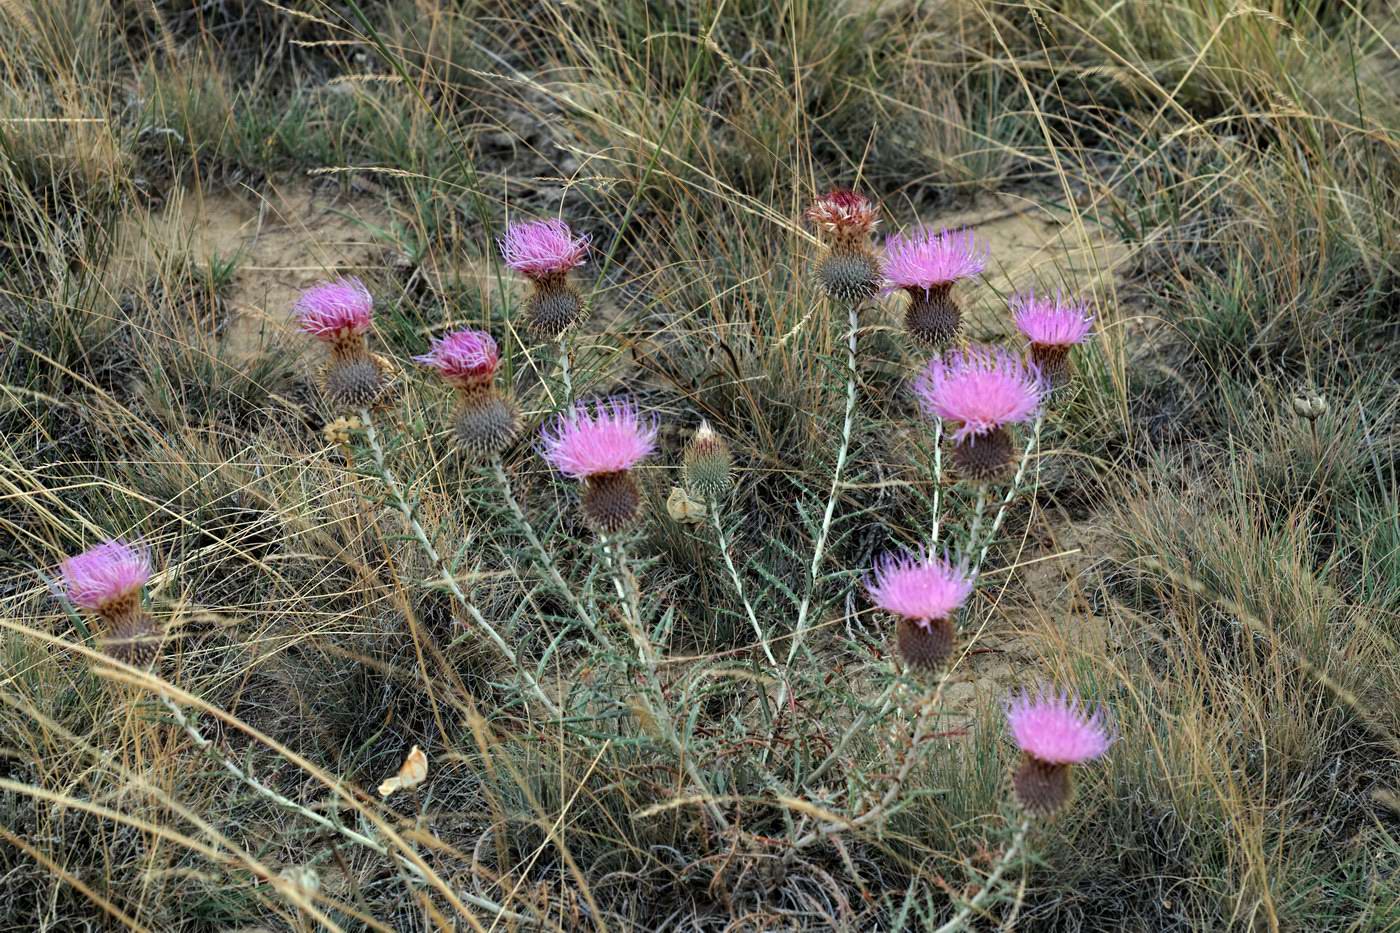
column 543, row 247
column 1051, row 322
column 980, row 389
column 609, row 439
column 918, row 586
column 463, row 356
column 924, row 258
column 1057, row 729
column 843, row 210
column 334, row 308
column 110, row 571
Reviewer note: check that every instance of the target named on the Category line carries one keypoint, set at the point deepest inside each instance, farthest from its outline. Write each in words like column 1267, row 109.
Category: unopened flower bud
column 707, row 464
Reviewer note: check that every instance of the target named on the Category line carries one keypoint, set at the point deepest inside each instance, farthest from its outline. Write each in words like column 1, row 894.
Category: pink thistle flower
column 466, row 357
column 843, row 212
column 102, row 576
column 918, row 586
column 980, row 389
column 923, row 259
column 543, row 248
column 1051, row 322
column 332, row 310
column 610, row 439
column 1057, row 729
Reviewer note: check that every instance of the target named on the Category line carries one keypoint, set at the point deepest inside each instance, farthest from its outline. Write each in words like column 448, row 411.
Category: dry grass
column 1235, row 599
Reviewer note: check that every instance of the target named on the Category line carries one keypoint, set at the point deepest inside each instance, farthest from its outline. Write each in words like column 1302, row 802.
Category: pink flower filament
column 609, row 439
column 111, row 571
column 543, row 248
column 979, row 389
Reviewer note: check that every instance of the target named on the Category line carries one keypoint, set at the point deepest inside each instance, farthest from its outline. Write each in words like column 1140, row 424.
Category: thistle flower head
column 1052, row 322
column 927, row 259
column 918, row 586
column 540, row 248
column 609, row 439
column 979, row 389
column 334, row 309
column 105, row 574
column 463, row 356
column 1057, row 729
column 843, row 212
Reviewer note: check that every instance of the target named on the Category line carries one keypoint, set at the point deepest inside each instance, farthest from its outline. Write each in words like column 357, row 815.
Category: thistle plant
column 339, row 314
column 107, row 582
column 1052, row 326
column 637, row 695
column 979, row 393
column 927, row 265
column 545, row 252
column 1054, row 733
column 486, row 421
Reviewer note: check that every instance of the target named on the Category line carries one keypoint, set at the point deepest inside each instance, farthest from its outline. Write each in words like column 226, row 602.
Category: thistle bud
column 601, row 447
column 848, row 271
column 707, row 465
column 927, row 264
column 486, row 421
column 486, row 424
column 977, row 393
column 339, row 314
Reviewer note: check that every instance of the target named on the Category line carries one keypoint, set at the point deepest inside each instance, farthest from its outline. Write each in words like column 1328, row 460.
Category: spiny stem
column 207, row 746
column 713, row 508
column 1031, row 444
column 819, row 551
column 391, row 485
column 937, row 484
column 989, row 885
column 927, row 713
column 979, row 512
column 545, row 558
column 566, row 378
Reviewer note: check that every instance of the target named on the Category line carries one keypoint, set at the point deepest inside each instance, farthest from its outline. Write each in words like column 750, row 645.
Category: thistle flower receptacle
column 1052, row 326
column 136, row 641
column 600, row 447
column 1053, row 732
column 978, row 392
column 924, row 594
column 927, row 264
column 545, row 251
column 339, row 314
column 707, row 465
column 848, row 270
column 107, row 581
column 486, row 421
